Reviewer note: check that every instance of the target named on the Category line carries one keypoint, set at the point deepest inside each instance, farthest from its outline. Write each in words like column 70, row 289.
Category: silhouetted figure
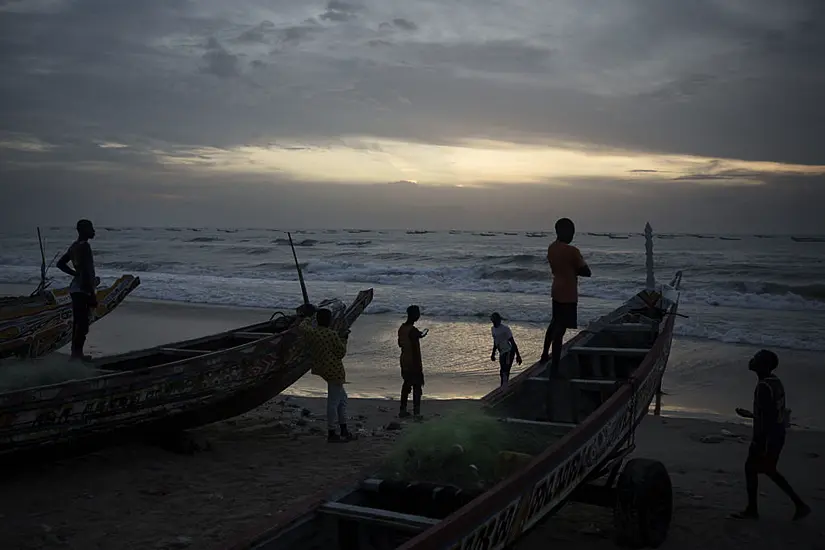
column 770, row 422
column 328, row 351
column 505, row 345
column 567, row 265
column 82, row 288
column 412, row 371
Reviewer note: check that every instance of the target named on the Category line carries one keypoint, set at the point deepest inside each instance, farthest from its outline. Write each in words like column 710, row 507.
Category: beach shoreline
column 705, row 379
column 269, row 460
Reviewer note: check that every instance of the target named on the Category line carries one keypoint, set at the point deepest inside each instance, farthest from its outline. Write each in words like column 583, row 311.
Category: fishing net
column 467, row 448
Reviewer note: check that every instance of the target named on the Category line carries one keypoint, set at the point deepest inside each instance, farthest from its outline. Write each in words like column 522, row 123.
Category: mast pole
column 300, row 273
column 651, row 279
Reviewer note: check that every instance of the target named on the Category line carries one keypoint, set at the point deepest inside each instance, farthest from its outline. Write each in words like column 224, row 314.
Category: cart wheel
column 644, row 504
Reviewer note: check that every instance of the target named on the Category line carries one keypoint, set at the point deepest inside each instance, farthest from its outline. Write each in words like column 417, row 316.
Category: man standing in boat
column 82, row 288
column 505, row 345
column 566, row 265
column 412, row 370
column 328, row 350
column 770, row 422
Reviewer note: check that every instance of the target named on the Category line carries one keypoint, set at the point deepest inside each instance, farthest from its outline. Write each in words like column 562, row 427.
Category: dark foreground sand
column 139, row 497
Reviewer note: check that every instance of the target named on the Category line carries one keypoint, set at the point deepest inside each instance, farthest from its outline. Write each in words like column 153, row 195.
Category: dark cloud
column 219, row 61
column 706, row 78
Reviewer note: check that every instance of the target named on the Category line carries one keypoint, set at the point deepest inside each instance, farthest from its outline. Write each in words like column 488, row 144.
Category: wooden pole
column 650, row 284
column 300, row 273
column 657, row 410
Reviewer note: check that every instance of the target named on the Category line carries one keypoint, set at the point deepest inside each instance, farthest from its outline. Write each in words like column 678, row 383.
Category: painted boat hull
column 497, row 517
column 33, row 329
column 163, row 398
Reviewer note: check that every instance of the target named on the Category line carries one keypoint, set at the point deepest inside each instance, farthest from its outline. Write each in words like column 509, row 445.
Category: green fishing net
column 462, row 449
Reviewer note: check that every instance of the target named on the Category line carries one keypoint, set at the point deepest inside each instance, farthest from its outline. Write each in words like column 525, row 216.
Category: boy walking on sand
column 770, row 421
column 566, row 265
column 505, row 344
column 328, row 350
column 412, row 370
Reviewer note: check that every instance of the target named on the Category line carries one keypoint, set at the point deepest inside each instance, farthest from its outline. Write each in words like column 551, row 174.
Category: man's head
column 324, row 317
column 565, row 230
column 496, row 319
column 763, row 362
column 413, row 314
column 85, row 229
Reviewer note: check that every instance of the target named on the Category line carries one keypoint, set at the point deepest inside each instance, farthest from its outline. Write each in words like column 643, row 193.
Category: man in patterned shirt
column 328, row 351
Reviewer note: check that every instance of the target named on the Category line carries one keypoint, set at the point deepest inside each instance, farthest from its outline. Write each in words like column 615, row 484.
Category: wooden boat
column 609, row 374
column 164, row 389
column 808, row 239
column 30, row 329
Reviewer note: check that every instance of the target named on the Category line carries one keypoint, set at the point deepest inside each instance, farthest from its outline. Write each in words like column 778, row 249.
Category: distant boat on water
column 730, row 239
column 417, row 232
column 808, row 239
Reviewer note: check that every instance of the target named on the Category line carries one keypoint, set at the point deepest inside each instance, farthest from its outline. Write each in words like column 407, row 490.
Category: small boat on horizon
column 808, row 239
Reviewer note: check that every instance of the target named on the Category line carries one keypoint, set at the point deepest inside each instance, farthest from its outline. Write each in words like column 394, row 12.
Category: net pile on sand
column 467, row 449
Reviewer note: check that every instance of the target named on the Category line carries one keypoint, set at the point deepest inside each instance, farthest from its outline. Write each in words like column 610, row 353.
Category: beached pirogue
column 34, row 326
column 163, row 390
column 609, row 374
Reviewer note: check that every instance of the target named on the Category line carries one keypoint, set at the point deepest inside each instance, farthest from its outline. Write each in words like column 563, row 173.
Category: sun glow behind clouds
column 472, row 162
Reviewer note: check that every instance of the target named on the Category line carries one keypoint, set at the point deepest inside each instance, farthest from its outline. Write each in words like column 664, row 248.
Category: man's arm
column 514, row 347
column 581, row 267
column 63, row 264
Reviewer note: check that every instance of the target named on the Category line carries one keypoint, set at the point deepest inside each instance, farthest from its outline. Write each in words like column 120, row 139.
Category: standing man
column 82, row 288
column 567, row 265
column 505, row 344
column 328, row 350
column 770, row 421
column 412, row 370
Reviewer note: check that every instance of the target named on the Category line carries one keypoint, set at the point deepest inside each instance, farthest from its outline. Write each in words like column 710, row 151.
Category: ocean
column 765, row 290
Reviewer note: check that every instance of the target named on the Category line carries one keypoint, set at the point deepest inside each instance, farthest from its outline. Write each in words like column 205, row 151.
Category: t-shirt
column 83, row 262
column 409, row 341
column 501, row 337
column 565, row 260
column 328, row 350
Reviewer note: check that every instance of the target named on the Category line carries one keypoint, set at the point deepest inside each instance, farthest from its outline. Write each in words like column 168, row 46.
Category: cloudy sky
column 699, row 115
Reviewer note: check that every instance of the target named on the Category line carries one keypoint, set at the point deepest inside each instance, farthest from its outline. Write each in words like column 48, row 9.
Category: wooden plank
column 407, row 522
column 622, row 327
column 511, row 420
column 609, row 351
column 181, row 351
column 594, row 381
column 253, row 335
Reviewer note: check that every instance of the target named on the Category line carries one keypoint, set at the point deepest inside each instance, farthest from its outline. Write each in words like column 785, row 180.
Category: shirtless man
column 567, row 265
column 82, row 289
column 412, row 371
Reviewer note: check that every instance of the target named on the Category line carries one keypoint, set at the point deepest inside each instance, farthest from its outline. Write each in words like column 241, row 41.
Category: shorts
column 565, row 314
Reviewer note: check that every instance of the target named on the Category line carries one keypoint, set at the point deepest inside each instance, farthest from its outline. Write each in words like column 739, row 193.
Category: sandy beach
column 256, row 465
column 138, row 497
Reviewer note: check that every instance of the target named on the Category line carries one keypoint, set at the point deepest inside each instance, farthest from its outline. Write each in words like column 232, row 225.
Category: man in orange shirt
column 567, row 265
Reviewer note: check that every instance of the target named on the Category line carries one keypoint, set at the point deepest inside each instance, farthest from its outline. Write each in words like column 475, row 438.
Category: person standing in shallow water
column 505, row 345
column 566, row 265
column 770, row 422
column 412, row 370
column 82, row 288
